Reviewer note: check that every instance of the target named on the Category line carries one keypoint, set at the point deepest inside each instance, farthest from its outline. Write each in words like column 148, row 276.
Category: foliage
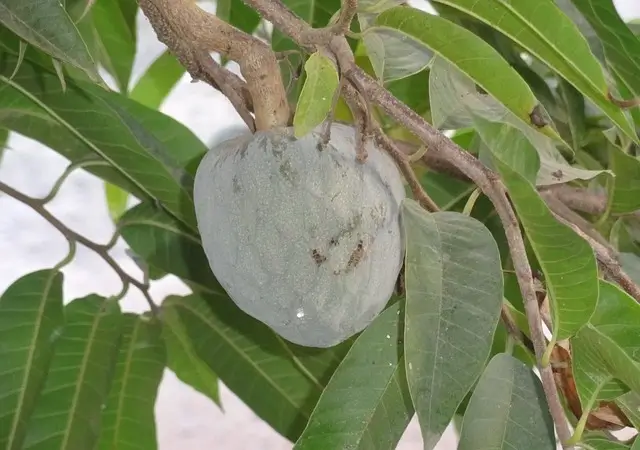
column 543, row 93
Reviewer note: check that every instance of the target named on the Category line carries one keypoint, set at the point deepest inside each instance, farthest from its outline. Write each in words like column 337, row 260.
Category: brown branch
column 347, row 13
column 191, row 34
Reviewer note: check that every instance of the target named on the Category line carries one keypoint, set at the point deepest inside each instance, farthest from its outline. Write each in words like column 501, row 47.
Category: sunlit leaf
column 447, row 339
column 156, row 83
column 30, row 321
column 568, row 261
column 367, row 403
column 624, row 196
column 542, row 29
column 67, row 415
column 116, row 200
column 128, row 418
column 317, row 94
column 508, row 410
column 46, row 25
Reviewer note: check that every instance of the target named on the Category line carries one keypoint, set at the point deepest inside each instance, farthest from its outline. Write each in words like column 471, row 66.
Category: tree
column 515, row 127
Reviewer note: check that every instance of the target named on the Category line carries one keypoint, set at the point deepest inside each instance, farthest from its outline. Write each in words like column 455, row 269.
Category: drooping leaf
column 508, row 410
column 542, row 29
column 46, row 25
column 152, row 151
column 248, row 358
column 455, row 101
column 624, row 194
column 67, row 415
column 317, row 94
column 30, row 320
column 128, row 417
column 571, row 281
column 117, row 199
column 366, row 403
column 156, row 83
column 182, row 358
column 447, row 339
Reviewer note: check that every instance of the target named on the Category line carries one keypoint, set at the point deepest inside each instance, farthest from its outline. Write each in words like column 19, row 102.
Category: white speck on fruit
column 388, row 337
column 300, row 313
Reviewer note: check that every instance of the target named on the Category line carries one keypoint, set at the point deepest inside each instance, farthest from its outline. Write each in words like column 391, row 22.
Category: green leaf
column 599, row 442
column 67, row 415
column 461, row 47
column 236, row 13
column 117, row 199
column 4, row 139
column 572, row 282
column 167, row 245
column 366, row 405
column 156, row 83
column 317, row 94
column 30, row 320
column 250, row 359
column 624, row 194
column 182, row 358
column 447, row 339
column 46, row 25
column 630, row 405
column 508, row 410
column 607, row 348
column 542, row 29
column 455, row 101
column 152, row 151
column 128, row 418
column 576, row 115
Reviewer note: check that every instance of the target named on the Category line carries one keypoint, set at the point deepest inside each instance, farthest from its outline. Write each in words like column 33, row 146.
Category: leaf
column 152, row 151
column 366, row 404
column 572, row 282
column 67, row 415
column 117, row 199
column 4, row 139
column 128, row 418
column 574, row 104
column 629, row 403
column 46, row 25
column 542, row 29
column 508, row 410
column 30, row 320
column 317, row 94
column 455, row 101
column 447, row 339
column 167, row 245
column 249, row 359
column 156, row 83
column 624, row 195
column 598, row 442
column 236, row 13
column 182, row 358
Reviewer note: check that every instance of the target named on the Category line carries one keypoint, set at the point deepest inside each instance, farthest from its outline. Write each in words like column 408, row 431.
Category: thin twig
column 347, row 13
column 72, row 236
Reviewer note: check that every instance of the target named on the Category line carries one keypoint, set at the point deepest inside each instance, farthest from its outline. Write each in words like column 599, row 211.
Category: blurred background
column 185, row 418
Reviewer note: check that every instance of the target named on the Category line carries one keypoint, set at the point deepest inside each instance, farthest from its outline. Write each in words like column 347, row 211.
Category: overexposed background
column 185, row 418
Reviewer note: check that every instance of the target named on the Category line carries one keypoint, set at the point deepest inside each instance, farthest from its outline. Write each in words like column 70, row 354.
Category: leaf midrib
column 125, row 379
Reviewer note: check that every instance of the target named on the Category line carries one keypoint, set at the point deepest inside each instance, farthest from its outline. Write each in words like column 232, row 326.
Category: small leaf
column 117, row 199
column 46, row 25
column 128, row 417
column 156, row 83
column 542, row 29
column 367, row 403
column 572, row 283
column 67, row 415
column 624, row 195
column 508, row 410
column 30, row 321
column 182, row 358
column 317, row 94
column 447, row 339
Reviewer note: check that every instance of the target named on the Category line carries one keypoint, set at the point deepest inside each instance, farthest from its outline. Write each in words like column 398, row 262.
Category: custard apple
column 304, row 238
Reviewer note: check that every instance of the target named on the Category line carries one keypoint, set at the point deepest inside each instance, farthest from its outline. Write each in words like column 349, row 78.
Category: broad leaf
column 508, row 410
column 117, row 199
column 455, row 101
column 567, row 260
column 182, row 358
column 248, row 358
column 152, row 151
column 543, row 30
column 30, row 320
column 366, row 404
column 46, row 25
column 156, row 83
column 128, row 418
column 447, row 338
column 624, row 194
column 67, row 415
column 316, row 98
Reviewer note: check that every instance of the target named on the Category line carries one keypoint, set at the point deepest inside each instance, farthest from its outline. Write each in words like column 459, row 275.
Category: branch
column 73, row 237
